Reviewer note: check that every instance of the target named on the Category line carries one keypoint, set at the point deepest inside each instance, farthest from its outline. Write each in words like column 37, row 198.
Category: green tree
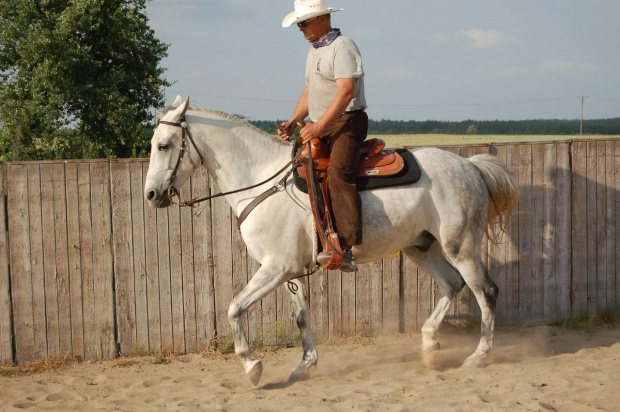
column 77, row 78
column 472, row 129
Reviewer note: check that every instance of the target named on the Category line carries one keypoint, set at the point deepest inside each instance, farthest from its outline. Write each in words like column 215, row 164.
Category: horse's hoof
column 255, row 371
column 473, row 362
column 300, row 373
column 428, row 354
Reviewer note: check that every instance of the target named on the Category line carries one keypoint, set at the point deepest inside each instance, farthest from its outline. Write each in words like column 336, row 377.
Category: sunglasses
column 305, row 22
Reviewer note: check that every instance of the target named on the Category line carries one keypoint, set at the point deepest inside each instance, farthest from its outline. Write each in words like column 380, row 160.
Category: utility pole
column 583, row 98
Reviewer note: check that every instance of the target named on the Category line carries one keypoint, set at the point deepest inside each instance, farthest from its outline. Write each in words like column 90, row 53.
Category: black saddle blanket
column 410, row 174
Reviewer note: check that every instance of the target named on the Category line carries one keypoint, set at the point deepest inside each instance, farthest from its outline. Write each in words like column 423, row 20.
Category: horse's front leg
column 302, row 312
column 265, row 280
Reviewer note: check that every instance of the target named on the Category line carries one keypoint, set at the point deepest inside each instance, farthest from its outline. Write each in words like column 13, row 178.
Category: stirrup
column 347, row 264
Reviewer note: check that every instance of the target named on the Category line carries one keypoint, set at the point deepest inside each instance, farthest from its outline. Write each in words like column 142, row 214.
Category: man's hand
column 309, row 132
column 285, row 130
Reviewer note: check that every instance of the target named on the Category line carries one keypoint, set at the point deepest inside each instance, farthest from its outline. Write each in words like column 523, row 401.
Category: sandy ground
column 531, row 369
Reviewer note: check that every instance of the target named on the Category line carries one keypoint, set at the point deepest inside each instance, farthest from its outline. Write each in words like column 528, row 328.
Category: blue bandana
column 326, row 40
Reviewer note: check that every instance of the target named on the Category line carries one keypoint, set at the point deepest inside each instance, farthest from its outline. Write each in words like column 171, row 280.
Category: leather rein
column 173, row 191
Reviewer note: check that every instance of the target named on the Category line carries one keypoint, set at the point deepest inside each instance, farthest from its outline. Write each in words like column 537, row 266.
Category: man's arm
column 300, row 112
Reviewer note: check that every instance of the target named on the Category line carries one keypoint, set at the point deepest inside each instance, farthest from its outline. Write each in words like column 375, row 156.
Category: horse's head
column 173, row 157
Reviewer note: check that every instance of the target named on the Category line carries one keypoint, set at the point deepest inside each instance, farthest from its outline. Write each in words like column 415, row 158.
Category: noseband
column 185, row 132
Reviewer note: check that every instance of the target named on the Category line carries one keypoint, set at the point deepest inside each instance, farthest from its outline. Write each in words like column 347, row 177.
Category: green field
column 401, row 140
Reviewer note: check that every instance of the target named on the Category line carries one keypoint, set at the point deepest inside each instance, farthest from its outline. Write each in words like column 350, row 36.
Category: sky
column 447, row 60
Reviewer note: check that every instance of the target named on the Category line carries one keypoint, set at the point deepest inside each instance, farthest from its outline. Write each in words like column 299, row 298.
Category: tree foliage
column 77, row 78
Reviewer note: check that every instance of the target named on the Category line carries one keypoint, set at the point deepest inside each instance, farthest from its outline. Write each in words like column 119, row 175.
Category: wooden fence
column 88, row 270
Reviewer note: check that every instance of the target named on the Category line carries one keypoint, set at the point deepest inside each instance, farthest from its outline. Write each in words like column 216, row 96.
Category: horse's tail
column 503, row 192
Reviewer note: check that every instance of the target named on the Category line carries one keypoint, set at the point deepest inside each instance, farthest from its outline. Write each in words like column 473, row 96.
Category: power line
column 475, row 104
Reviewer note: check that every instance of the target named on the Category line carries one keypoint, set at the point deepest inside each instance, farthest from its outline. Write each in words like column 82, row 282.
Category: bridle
column 185, row 132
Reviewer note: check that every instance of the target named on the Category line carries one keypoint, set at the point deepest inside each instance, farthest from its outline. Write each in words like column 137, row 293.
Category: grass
column 40, row 366
column 401, row 140
column 588, row 324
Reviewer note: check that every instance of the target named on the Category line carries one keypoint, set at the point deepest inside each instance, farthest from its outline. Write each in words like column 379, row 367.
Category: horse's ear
column 179, row 112
column 177, row 102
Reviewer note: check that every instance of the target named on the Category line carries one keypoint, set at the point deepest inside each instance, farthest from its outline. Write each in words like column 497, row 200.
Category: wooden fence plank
column 550, row 234
column 139, row 258
column 334, row 298
column 525, row 236
column 409, row 296
column 363, row 300
column 426, row 298
column 152, row 276
column 176, row 277
column 369, row 299
column 349, row 297
column 21, row 265
column 391, row 294
column 591, row 209
column 6, row 333
column 123, row 257
column 49, row 260
column 187, row 270
column 203, row 261
column 285, row 314
column 91, row 341
column 539, row 223
column 563, row 231
column 319, row 304
column 102, row 259
column 602, row 223
column 74, row 259
column 164, row 272
column 497, row 257
column 579, row 244
column 609, row 225
column 616, row 181
column 222, row 254
column 62, row 260
column 512, row 247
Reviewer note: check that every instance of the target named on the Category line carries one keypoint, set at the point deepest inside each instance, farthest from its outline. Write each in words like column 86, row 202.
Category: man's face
column 313, row 29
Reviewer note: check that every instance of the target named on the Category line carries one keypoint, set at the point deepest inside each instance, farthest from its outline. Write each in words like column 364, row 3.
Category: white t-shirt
column 339, row 60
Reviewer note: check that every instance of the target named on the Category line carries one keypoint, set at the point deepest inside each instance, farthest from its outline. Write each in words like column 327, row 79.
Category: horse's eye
column 163, row 147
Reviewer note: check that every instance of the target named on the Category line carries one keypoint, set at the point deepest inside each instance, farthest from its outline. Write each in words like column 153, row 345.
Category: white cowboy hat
column 307, row 9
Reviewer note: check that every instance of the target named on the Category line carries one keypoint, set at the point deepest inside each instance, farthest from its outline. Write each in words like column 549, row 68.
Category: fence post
column 6, row 333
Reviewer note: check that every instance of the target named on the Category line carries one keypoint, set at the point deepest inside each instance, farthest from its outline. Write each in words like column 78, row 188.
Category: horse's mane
column 233, row 118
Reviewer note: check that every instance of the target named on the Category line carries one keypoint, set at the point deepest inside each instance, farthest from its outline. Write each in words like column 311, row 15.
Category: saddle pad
column 410, row 174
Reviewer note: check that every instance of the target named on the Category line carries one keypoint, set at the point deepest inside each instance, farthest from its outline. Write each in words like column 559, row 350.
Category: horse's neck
column 238, row 156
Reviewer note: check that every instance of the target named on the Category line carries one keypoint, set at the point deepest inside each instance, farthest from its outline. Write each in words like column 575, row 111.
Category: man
column 334, row 100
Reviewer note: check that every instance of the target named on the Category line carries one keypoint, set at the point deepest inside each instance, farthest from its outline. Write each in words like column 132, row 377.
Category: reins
column 173, row 191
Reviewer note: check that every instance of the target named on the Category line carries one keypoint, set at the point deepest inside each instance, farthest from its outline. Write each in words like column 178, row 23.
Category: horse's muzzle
column 160, row 199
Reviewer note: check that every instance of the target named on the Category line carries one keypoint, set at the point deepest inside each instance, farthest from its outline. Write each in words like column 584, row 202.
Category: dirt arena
column 531, row 369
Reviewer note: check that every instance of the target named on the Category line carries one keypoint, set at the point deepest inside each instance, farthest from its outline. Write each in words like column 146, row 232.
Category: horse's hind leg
column 310, row 357
column 450, row 283
column 485, row 291
column 265, row 280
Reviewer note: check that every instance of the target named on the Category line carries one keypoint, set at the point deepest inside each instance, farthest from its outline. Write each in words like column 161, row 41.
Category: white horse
column 438, row 222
